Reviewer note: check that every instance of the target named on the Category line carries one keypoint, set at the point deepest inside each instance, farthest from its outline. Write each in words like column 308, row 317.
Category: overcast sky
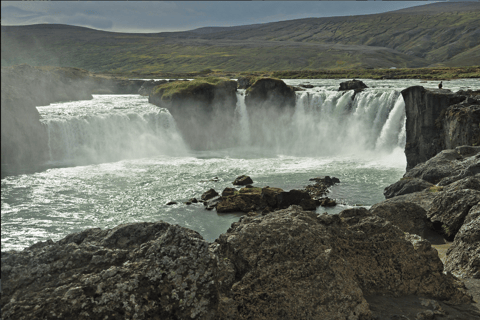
column 158, row 16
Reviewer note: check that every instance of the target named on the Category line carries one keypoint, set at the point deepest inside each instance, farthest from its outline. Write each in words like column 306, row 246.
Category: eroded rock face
column 463, row 257
column 203, row 112
column 279, row 274
column 137, row 271
column 289, row 264
column 438, row 120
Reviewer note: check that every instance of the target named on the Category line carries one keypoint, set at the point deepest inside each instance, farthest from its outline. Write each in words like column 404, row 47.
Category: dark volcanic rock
column 438, row 120
column 449, row 210
column 279, row 274
column 448, row 166
column 269, row 92
column 463, row 257
column 242, row 180
column 290, row 264
column 207, row 195
column 138, row 271
column 352, row 85
column 228, row 192
column 409, row 217
column 320, row 188
column 245, row 82
column 405, row 186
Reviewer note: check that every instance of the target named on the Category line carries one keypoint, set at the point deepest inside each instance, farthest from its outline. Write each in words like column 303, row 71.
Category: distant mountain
column 437, row 34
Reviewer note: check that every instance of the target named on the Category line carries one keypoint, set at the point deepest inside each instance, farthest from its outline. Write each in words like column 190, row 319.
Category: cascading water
column 327, row 122
column 359, row 141
column 97, row 131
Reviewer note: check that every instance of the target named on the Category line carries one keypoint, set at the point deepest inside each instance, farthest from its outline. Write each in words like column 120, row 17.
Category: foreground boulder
column 437, row 120
column 135, row 271
column 279, row 274
column 291, row 264
column 203, row 109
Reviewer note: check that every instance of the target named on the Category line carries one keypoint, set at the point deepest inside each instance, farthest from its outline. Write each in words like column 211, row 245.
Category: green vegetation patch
column 435, row 189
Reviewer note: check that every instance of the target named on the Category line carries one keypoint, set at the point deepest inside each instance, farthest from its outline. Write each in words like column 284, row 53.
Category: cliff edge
column 438, row 119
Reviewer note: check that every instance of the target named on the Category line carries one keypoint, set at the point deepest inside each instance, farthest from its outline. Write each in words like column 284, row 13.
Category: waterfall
column 120, row 133
column 328, row 122
column 243, row 119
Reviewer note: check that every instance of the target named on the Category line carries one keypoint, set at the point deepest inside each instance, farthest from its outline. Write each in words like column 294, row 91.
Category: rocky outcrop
column 245, row 82
column 448, row 166
column 463, row 257
column 446, row 186
column 291, row 264
column 437, row 120
column 203, row 110
column 352, row 85
column 355, row 85
column 251, row 199
column 270, row 93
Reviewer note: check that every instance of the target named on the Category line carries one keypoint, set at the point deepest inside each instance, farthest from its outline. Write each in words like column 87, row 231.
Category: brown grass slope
column 439, row 34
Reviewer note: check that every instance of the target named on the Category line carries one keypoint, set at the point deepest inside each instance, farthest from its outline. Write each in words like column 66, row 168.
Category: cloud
column 158, row 16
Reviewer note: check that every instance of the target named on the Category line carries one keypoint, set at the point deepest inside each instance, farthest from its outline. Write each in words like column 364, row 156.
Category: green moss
column 435, row 189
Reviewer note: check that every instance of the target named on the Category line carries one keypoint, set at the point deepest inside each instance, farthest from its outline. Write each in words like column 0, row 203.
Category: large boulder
column 437, row 120
column 136, row 271
column 279, row 274
column 203, row 110
column 463, row 257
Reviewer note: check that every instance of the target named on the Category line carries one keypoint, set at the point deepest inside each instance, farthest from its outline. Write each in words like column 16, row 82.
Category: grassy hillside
column 440, row 35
